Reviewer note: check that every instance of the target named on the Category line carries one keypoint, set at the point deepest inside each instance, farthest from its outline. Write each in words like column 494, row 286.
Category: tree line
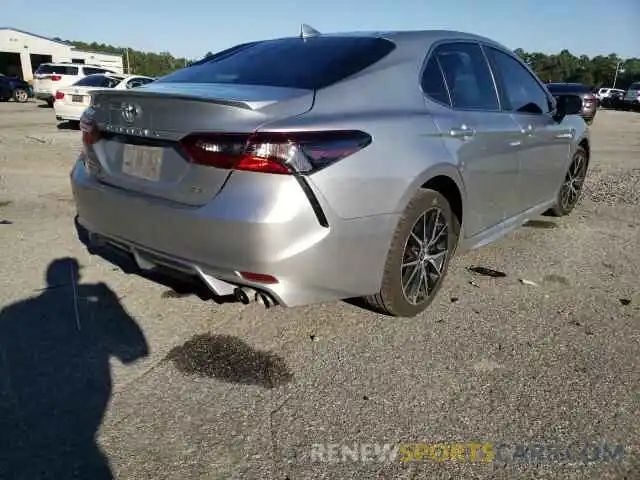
column 598, row 71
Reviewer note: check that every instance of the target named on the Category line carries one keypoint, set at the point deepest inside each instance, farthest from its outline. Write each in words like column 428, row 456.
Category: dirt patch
column 614, row 189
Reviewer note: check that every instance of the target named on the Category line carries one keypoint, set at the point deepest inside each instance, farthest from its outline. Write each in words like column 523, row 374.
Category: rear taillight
column 88, row 127
column 59, row 95
column 278, row 153
column 56, row 78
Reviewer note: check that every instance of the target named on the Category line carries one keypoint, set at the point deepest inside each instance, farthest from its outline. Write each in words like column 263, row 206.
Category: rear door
column 483, row 139
column 545, row 143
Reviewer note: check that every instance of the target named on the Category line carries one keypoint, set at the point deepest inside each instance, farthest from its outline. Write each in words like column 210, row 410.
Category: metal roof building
column 22, row 52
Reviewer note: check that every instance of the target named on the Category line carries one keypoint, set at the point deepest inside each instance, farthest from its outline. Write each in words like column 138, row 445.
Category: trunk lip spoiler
column 198, row 96
column 176, row 95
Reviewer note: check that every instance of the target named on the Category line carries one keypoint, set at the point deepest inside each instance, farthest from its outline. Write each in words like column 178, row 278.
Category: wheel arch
column 443, row 178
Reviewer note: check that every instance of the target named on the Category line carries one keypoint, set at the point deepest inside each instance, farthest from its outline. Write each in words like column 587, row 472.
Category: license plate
column 142, row 161
column 77, row 98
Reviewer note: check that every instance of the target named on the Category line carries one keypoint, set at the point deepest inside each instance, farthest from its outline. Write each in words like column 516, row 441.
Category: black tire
column 20, row 95
column 576, row 174
column 392, row 297
column 50, row 102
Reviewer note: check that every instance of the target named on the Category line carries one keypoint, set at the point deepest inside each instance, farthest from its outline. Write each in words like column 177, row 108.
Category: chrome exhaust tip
column 242, row 295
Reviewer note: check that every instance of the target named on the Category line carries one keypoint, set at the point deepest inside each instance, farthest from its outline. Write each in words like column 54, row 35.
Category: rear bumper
column 43, row 95
column 64, row 111
column 281, row 238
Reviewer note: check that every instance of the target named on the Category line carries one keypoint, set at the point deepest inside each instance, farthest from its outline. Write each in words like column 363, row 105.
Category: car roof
column 411, row 36
column 71, row 64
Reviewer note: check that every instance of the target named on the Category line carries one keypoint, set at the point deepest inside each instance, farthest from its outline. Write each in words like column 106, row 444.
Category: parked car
column 589, row 100
column 631, row 99
column 16, row 88
column 613, row 100
column 304, row 169
column 51, row 77
column 607, row 93
column 71, row 101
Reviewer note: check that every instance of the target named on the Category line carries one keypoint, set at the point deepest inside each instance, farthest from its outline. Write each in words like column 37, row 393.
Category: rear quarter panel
column 384, row 101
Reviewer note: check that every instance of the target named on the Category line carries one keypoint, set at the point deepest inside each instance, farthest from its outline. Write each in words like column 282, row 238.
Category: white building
column 22, row 52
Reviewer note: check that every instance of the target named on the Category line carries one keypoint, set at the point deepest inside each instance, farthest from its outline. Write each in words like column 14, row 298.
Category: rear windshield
column 311, row 63
column 568, row 88
column 98, row 81
column 59, row 69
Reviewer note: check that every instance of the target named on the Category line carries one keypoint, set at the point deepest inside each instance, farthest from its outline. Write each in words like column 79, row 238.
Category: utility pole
column 128, row 65
column 618, row 70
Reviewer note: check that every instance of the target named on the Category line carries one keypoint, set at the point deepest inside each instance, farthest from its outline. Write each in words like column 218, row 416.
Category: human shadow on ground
column 55, row 380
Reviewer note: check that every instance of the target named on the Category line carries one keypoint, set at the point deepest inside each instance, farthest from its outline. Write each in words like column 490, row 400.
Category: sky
column 191, row 28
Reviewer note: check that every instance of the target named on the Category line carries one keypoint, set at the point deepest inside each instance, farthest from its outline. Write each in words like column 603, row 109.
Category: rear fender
column 440, row 169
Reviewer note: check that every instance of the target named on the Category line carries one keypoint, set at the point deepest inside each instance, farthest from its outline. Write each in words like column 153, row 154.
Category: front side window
column 468, row 76
column 521, row 92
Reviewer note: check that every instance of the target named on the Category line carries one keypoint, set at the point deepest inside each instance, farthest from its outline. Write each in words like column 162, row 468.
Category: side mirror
column 567, row 105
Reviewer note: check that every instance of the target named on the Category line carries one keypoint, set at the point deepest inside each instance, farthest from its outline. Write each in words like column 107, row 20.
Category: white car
column 606, row 92
column 71, row 101
column 51, row 77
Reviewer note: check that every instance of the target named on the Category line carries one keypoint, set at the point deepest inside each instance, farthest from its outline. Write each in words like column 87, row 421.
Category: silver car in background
column 320, row 167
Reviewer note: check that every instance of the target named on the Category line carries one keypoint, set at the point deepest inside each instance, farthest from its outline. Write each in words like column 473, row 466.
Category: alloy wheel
column 21, row 96
column 572, row 186
column 424, row 257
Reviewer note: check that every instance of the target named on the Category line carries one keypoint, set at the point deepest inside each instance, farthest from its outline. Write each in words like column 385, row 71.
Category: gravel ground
column 119, row 377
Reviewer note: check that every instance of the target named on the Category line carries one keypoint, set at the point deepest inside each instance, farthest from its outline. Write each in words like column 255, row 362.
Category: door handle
column 462, row 132
column 564, row 135
column 528, row 130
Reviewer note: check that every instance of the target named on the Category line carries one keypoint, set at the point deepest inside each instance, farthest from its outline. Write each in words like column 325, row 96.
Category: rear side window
column 93, row 70
column 97, row 81
column 433, row 84
column 311, row 63
column 59, row 69
column 468, row 76
column 138, row 82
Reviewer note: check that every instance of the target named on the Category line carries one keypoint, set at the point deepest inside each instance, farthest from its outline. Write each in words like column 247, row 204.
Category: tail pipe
column 246, row 295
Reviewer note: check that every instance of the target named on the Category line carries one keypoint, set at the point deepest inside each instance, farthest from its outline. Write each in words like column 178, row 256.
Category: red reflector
column 278, row 153
column 55, row 78
column 59, row 95
column 90, row 132
column 258, row 277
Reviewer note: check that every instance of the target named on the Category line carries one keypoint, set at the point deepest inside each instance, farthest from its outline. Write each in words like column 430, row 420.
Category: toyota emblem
column 130, row 112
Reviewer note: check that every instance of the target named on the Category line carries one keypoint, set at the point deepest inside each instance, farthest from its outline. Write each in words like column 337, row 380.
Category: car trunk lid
column 140, row 130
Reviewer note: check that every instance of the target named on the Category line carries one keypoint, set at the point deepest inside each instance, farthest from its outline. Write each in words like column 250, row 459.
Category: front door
column 545, row 144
